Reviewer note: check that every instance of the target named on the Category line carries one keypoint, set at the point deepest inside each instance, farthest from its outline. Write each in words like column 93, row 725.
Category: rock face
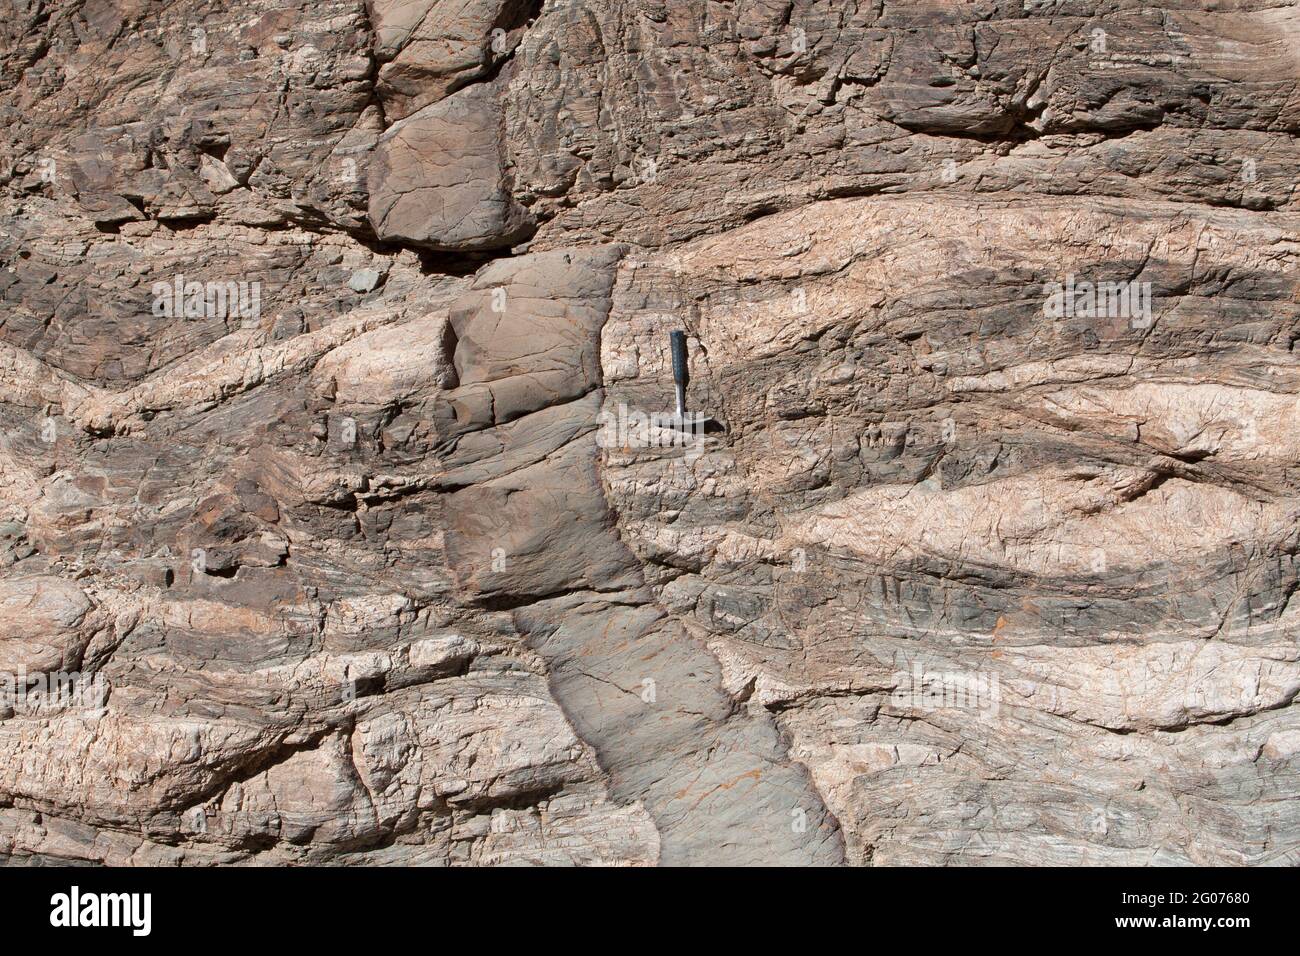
column 340, row 521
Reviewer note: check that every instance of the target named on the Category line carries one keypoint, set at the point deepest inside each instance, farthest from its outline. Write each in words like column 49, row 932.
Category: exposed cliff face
column 329, row 342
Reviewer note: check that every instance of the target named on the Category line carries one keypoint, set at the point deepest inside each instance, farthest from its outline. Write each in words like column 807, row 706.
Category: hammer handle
column 681, row 370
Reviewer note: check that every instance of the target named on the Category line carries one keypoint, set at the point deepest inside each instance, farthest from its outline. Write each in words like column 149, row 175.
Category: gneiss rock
column 992, row 558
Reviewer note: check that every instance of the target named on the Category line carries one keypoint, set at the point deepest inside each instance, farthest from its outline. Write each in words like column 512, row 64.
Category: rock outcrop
column 341, row 521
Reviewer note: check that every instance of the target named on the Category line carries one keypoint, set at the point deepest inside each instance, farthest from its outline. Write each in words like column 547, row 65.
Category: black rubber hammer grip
column 681, row 370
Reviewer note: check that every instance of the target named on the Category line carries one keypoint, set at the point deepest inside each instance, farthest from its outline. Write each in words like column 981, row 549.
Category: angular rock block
column 438, row 178
column 430, row 48
column 538, row 532
column 527, row 336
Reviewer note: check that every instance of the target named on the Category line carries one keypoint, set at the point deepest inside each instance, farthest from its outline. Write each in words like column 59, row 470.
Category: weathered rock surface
column 334, row 526
column 437, row 178
column 924, row 478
